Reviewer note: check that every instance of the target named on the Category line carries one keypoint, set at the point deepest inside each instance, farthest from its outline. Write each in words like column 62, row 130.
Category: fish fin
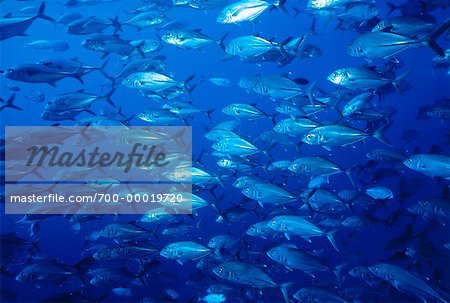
column 398, row 80
column 310, row 91
column 180, row 262
column 310, row 274
column 10, row 104
column 378, row 134
column 209, row 112
column 392, row 7
column 432, row 43
column 284, row 287
column 307, row 239
column 221, row 41
column 332, row 240
column 104, row 56
column 116, row 24
column 348, row 172
column 108, row 98
column 41, row 13
column 287, row 236
column 139, row 48
column 280, row 5
column 78, row 75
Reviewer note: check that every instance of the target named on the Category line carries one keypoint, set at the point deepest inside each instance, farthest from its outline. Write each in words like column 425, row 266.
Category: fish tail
column 108, row 96
column 284, row 287
column 78, row 75
column 127, row 120
column 432, row 43
column 332, row 240
column 280, row 5
column 102, row 67
column 186, row 85
column 10, row 103
column 116, row 24
column 139, row 48
column 348, row 172
column 221, row 41
column 297, row 11
column 41, row 13
column 378, row 134
column 177, row 138
column 397, row 81
column 338, row 272
column 392, row 7
column 310, row 91
column 209, row 112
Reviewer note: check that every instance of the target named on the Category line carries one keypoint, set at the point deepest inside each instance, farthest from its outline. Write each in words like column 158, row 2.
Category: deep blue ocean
column 389, row 234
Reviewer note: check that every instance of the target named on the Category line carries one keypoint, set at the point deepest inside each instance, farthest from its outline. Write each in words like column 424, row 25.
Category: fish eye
column 10, row 70
column 294, row 165
column 274, row 222
column 220, row 269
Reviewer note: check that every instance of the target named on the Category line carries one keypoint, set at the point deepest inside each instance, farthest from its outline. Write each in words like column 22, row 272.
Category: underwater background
column 386, row 230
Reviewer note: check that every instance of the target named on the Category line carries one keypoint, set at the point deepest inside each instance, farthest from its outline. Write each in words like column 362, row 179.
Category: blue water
column 361, row 248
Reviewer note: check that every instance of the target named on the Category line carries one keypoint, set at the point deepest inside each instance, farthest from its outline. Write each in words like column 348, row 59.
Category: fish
column 55, row 45
column 67, row 18
column 189, row 39
column 267, row 193
column 39, row 73
column 295, row 225
column 318, row 167
column 9, row 103
column 242, row 110
column 380, row 44
column 92, row 25
column 274, row 87
column 294, row 259
column 379, row 193
column 246, row 11
column 340, row 135
column 432, row 209
column 235, row 146
column 184, row 251
column 432, row 165
column 404, row 25
column 249, row 275
column 248, row 47
column 75, row 100
column 47, row 272
column 159, row 117
column 108, row 44
column 318, row 294
column 361, row 78
column 386, row 155
column 17, row 26
column 220, row 81
column 147, row 19
column 152, row 81
column 404, row 281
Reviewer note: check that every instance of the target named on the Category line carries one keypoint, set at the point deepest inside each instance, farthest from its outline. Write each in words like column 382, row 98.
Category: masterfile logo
column 108, row 170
